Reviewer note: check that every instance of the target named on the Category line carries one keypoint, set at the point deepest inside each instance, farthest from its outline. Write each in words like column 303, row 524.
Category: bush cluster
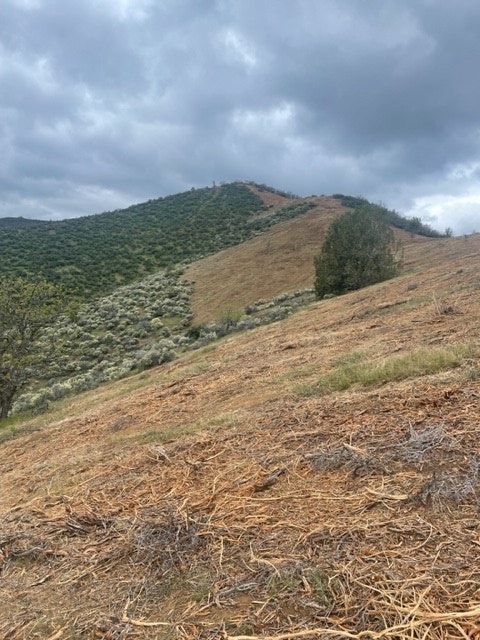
column 138, row 327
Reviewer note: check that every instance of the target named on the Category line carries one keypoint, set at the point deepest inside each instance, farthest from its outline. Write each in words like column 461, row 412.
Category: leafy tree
column 359, row 249
column 27, row 306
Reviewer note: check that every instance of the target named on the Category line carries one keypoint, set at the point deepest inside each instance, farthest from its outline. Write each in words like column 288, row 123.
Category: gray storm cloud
column 111, row 102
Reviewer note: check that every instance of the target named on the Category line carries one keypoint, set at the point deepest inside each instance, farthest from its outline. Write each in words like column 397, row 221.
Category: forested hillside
column 93, row 255
column 413, row 225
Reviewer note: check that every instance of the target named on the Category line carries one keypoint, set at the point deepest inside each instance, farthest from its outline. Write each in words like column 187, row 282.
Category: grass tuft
column 11, row 430
column 366, row 373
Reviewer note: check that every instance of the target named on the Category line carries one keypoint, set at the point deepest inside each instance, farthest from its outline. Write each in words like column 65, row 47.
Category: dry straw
column 340, row 518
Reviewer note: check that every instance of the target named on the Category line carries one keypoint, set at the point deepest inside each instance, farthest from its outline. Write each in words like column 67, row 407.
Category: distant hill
column 19, row 223
column 93, row 255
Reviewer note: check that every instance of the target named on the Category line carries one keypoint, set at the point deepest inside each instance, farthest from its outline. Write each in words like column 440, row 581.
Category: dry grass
column 206, row 500
column 277, row 261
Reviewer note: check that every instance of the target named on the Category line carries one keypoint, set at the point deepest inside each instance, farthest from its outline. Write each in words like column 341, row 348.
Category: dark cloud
column 108, row 102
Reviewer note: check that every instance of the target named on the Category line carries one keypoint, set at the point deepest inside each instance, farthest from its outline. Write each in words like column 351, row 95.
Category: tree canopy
column 27, row 306
column 359, row 250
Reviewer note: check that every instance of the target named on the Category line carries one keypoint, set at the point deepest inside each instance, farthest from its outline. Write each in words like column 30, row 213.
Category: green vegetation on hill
column 93, row 255
column 18, row 223
column 413, row 225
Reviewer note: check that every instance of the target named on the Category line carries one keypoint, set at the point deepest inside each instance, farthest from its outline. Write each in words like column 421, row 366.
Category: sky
column 106, row 103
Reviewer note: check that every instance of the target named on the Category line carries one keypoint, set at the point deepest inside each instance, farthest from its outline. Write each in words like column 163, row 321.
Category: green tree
column 27, row 306
column 359, row 249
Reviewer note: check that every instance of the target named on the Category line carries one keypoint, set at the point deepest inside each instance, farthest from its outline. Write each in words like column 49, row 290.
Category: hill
column 152, row 320
column 313, row 478
column 95, row 254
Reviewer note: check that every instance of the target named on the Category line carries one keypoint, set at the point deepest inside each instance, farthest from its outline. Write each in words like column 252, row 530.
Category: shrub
column 359, row 250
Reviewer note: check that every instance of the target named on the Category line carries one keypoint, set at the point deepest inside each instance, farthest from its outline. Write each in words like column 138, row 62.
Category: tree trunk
column 6, row 402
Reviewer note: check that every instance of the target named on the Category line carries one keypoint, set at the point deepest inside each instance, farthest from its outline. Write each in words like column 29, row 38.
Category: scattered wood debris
column 315, row 549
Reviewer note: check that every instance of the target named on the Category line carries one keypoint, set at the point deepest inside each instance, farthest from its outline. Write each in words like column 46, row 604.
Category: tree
column 359, row 249
column 27, row 306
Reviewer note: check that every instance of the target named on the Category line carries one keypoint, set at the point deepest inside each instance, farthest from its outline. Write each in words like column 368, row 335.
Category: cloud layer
column 108, row 102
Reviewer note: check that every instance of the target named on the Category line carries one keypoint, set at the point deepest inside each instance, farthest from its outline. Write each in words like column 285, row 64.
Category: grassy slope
column 279, row 260
column 225, row 495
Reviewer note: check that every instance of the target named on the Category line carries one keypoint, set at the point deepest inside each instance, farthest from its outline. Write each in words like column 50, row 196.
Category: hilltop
column 312, row 478
column 19, row 223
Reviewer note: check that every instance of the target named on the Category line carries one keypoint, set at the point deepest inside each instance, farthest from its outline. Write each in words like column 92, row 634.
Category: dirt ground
column 227, row 495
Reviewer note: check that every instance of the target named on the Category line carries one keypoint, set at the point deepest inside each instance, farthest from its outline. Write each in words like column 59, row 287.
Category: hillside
column 152, row 320
column 313, row 478
column 279, row 260
column 93, row 255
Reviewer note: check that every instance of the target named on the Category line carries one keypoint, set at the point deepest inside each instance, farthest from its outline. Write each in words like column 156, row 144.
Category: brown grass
column 207, row 499
column 277, row 261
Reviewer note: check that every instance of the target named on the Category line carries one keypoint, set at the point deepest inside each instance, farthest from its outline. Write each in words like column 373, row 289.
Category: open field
column 234, row 494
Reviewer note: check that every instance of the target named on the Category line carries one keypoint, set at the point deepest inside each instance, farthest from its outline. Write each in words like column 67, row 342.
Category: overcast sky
column 104, row 103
